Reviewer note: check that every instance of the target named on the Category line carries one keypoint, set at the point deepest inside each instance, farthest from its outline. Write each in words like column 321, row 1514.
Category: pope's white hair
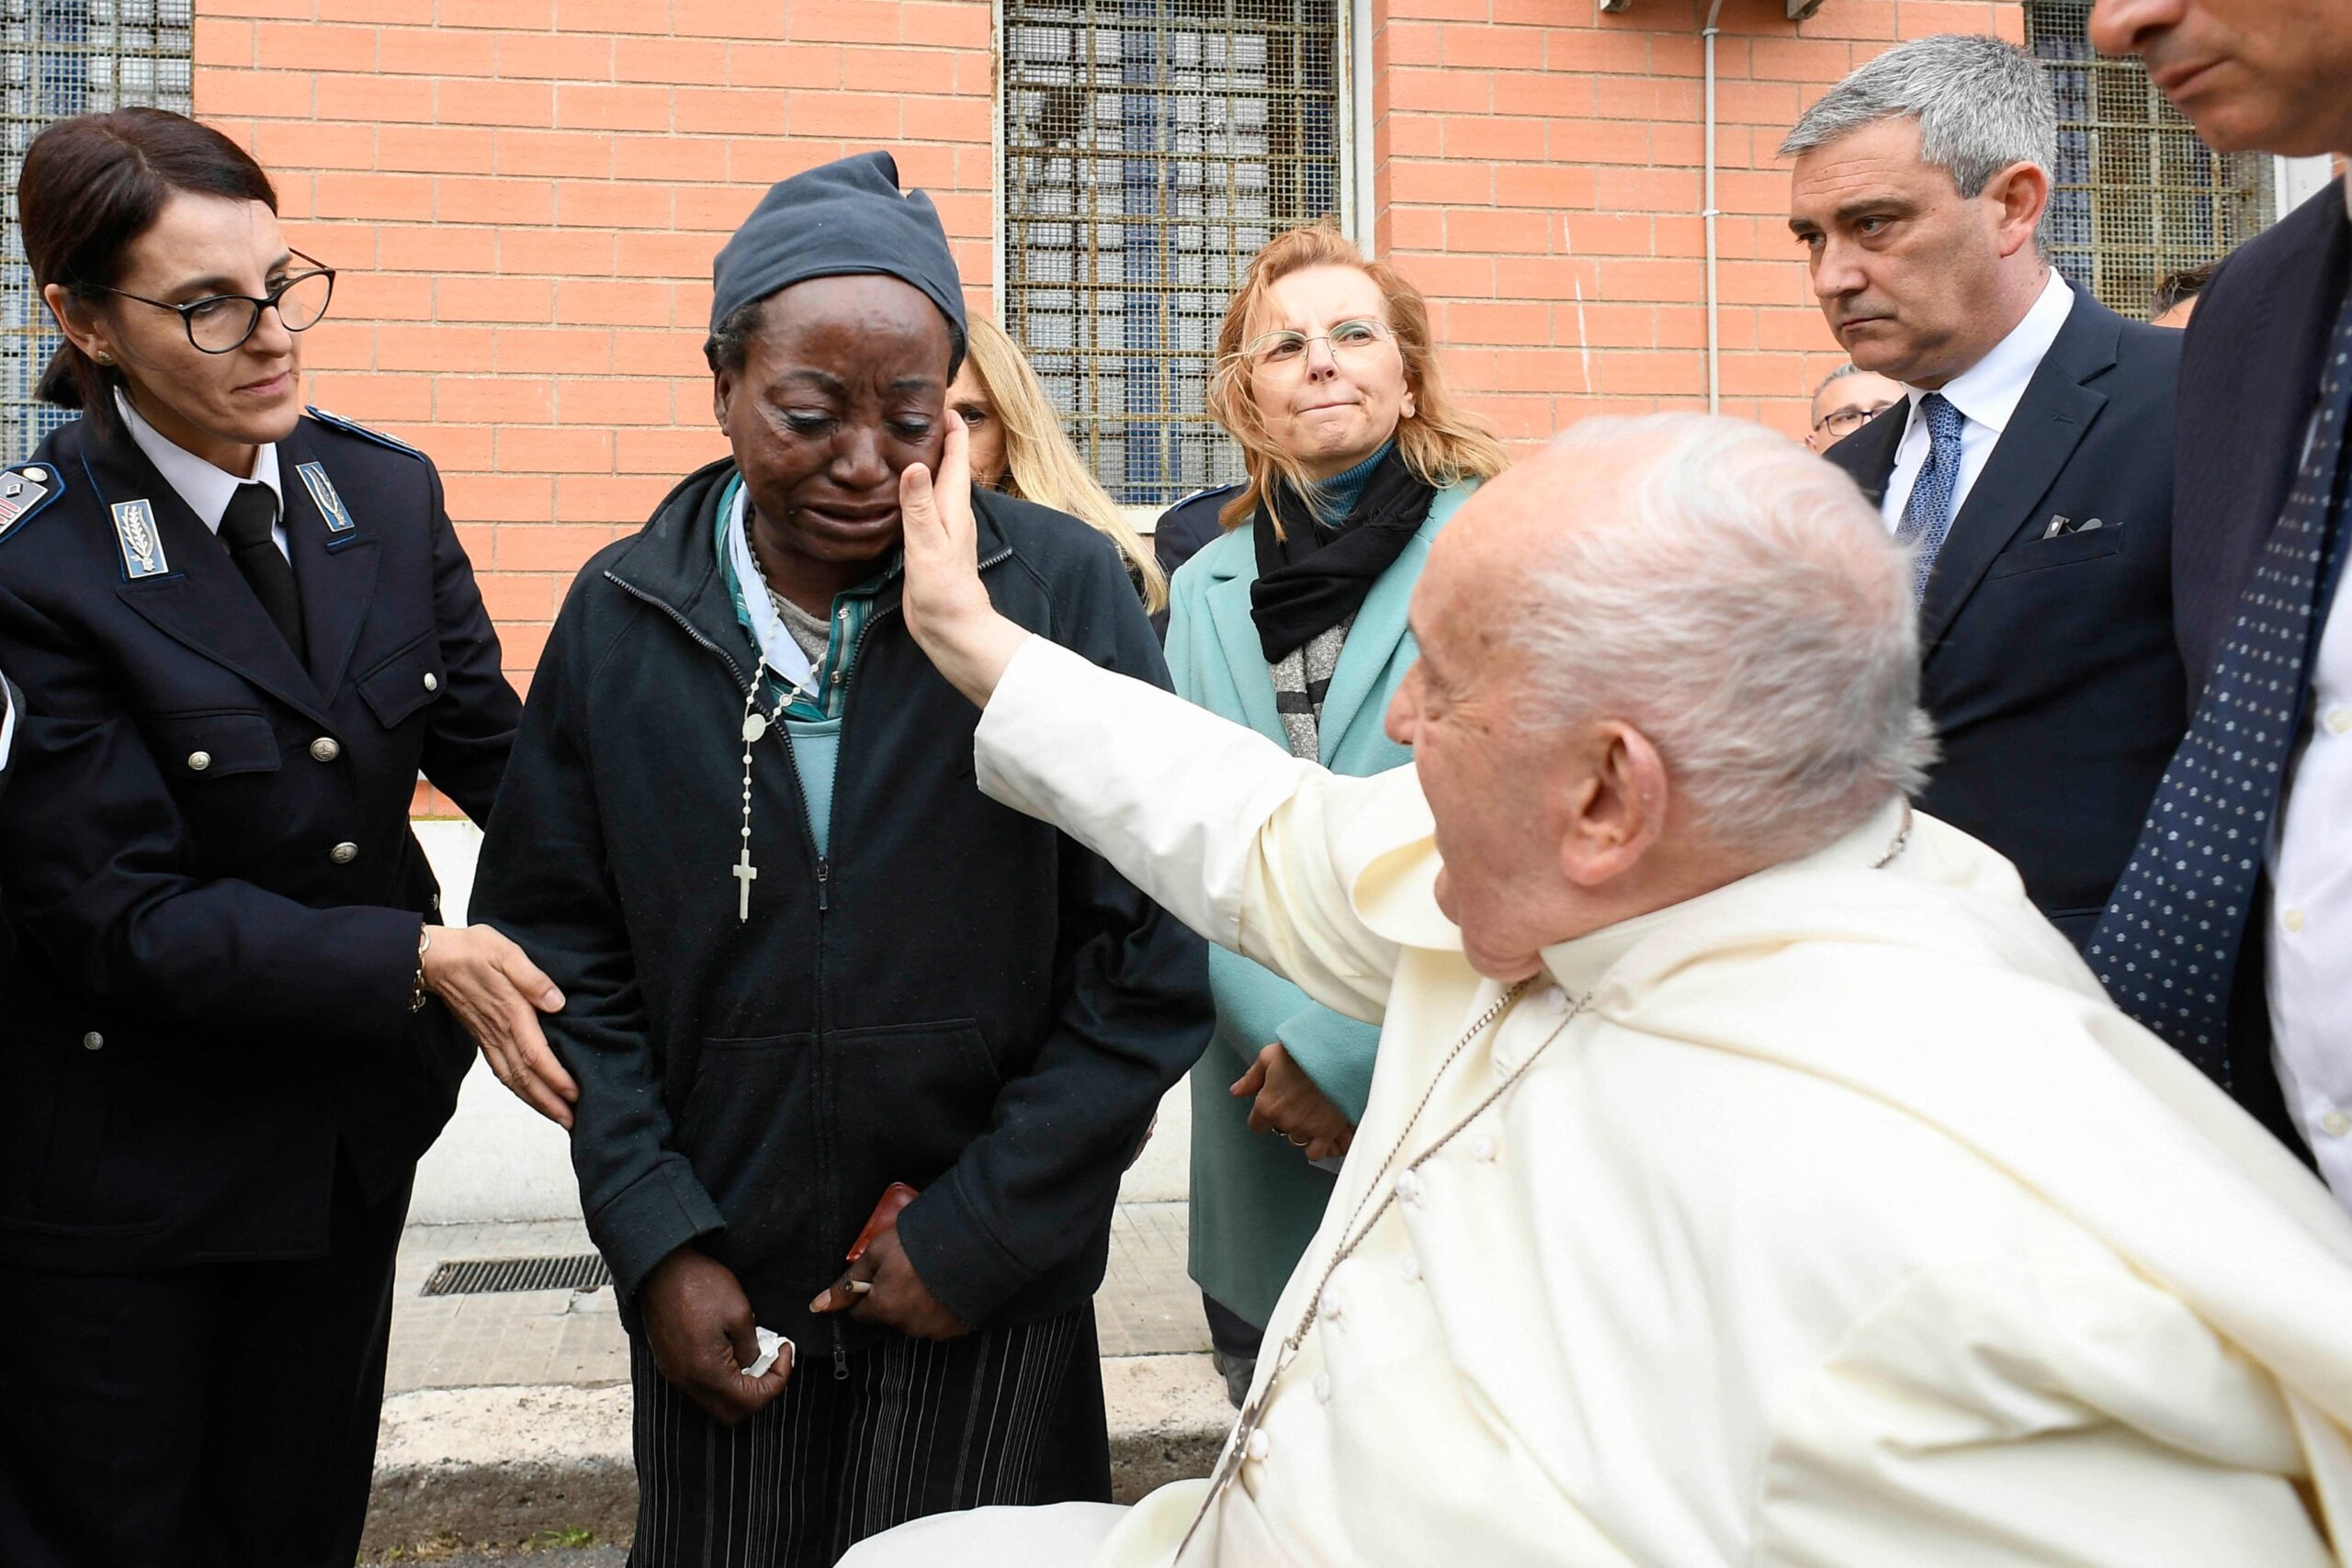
column 1735, row 599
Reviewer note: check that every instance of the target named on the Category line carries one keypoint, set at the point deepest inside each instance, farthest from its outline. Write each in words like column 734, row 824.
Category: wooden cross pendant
column 745, row 874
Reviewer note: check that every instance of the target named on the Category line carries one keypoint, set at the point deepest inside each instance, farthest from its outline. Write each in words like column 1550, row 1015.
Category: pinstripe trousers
column 917, row 1427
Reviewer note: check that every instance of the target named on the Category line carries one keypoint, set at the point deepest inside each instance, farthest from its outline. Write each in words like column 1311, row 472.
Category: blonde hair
column 1441, row 441
column 1040, row 464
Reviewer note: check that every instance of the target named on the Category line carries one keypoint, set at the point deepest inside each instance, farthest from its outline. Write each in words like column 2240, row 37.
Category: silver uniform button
column 344, row 854
column 325, row 748
column 38, row 476
column 432, row 682
column 198, row 761
column 93, row 1040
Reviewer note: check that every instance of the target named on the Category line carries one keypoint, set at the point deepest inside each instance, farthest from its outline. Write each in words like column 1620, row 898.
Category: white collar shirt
column 2309, row 939
column 1987, row 394
column 205, row 487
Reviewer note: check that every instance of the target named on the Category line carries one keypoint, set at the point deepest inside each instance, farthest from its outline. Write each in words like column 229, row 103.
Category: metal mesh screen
column 60, row 57
column 1151, row 148
column 2137, row 194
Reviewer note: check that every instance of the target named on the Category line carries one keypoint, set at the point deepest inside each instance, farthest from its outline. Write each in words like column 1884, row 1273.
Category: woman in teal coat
column 1293, row 622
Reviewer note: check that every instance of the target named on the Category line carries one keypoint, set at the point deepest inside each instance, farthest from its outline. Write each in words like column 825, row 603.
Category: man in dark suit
column 2263, row 508
column 2028, row 462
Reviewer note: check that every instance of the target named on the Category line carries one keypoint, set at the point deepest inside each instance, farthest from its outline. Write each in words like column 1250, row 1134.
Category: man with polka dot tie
column 2231, row 933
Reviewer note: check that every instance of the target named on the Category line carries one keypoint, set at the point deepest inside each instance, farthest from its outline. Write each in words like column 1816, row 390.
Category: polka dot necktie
column 2169, row 944
column 1927, row 516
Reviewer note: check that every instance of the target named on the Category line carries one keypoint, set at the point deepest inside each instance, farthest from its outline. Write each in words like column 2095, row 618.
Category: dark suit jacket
column 206, row 856
column 2049, row 664
column 2249, row 377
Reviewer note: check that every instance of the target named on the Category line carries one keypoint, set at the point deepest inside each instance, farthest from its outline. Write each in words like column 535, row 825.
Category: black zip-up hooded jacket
column 957, row 998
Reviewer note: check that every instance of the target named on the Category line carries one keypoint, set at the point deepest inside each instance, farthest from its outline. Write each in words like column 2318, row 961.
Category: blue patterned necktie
column 1927, row 516
column 2168, row 947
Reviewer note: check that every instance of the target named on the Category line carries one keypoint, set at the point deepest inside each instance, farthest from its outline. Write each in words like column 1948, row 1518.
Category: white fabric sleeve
column 1225, row 829
column 7, row 720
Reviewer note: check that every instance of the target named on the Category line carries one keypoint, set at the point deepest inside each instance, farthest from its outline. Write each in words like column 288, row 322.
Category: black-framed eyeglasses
column 1845, row 421
column 219, row 323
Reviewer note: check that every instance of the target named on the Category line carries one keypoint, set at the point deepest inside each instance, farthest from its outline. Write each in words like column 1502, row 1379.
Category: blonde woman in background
column 1018, row 449
column 1292, row 621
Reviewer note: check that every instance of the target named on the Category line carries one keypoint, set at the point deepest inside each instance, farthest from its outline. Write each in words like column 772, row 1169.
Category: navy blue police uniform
column 215, row 1081
column 1181, row 532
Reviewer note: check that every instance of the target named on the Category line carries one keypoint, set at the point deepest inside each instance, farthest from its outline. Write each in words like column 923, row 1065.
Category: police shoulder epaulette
column 1205, row 491
column 25, row 488
column 337, row 421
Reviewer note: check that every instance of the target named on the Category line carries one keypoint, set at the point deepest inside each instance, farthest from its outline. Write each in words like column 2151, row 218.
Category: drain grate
column 493, row 1276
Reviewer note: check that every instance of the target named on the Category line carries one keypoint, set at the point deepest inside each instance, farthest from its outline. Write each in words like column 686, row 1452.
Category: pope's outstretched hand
column 945, row 603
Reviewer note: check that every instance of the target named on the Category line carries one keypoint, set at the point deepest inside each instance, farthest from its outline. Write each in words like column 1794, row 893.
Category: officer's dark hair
column 90, row 187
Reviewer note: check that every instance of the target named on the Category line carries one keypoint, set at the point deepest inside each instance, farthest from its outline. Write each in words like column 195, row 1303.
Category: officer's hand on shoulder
column 498, row 994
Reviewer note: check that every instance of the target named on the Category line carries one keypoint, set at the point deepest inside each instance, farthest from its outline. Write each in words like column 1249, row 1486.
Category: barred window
column 60, row 57
column 2137, row 194
column 1151, row 147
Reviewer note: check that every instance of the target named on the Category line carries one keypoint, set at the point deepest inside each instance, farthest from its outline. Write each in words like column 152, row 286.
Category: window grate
column 1151, row 147
column 496, row 1276
column 60, row 57
column 2137, row 194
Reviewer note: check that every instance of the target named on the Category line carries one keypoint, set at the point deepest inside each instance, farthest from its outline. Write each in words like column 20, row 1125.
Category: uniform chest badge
column 321, row 489
column 142, row 548
column 21, row 489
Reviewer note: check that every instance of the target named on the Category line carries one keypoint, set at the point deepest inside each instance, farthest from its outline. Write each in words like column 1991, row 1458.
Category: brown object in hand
column 885, row 1217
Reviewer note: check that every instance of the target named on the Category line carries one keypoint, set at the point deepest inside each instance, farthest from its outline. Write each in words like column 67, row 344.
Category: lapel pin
column 329, row 504
column 142, row 548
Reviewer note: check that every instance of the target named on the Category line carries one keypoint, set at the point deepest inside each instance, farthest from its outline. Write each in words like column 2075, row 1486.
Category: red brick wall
column 1539, row 176
column 525, row 197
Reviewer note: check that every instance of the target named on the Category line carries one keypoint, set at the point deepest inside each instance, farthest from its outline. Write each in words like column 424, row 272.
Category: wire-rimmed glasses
column 219, row 323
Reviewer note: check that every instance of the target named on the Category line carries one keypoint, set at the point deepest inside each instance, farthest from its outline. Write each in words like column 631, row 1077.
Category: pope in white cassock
column 1751, row 1176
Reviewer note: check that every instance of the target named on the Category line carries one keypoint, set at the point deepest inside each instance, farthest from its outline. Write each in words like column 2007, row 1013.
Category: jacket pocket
column 2068, row 550
column 907, row 1100
column 397, row 687
column 748, row 1128
column 216, row 745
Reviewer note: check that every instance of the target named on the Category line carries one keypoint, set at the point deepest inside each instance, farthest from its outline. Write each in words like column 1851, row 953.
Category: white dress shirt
column 7, row 725
column 206, row 487
column 1987, row 394
column 2310, row 979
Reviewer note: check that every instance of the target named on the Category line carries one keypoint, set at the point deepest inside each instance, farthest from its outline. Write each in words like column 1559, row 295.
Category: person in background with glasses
column 233, row 1011
column 1293, row 622
column 1849, row 398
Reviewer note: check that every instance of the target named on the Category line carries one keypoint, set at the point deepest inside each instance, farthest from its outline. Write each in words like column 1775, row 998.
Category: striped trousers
column 919, row 1427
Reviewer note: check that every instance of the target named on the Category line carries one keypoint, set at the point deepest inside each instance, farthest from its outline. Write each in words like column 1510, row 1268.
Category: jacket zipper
column 824, row 903
column 856, row 662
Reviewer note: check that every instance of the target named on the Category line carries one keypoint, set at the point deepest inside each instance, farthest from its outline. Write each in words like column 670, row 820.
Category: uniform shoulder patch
column 26, row 489
column 337, row 421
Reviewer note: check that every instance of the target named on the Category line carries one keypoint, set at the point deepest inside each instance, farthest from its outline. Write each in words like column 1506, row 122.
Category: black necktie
column 245, row 529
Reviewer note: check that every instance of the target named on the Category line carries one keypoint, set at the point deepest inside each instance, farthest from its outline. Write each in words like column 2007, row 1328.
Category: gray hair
column 1742, row 607
column 1982, row 106
column 1848, row 368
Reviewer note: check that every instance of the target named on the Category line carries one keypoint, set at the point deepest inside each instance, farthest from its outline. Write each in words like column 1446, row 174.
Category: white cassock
column 1831, row 1218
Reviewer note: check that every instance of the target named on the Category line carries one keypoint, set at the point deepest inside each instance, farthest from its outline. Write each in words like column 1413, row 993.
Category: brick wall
column 1540, row 178
column 525, row 197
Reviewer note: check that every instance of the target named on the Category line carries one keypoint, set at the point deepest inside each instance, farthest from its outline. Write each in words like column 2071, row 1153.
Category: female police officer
column 240, row 633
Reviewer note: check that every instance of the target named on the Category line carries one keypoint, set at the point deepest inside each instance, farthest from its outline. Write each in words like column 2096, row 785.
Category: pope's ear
column 1618, row 809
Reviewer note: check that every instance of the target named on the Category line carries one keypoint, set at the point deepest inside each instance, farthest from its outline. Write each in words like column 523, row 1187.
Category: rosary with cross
column 755, row 725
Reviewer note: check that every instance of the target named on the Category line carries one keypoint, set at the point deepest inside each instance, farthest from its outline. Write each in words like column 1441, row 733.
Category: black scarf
column 1317, row 575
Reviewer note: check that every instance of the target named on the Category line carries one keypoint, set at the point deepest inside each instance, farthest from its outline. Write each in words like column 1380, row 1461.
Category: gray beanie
column 840, row 217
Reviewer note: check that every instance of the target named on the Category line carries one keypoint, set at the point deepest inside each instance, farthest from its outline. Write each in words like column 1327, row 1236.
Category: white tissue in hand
column 771, row 1345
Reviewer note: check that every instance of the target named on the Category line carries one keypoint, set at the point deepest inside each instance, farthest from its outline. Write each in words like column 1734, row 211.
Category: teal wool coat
column 1256, row 1201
